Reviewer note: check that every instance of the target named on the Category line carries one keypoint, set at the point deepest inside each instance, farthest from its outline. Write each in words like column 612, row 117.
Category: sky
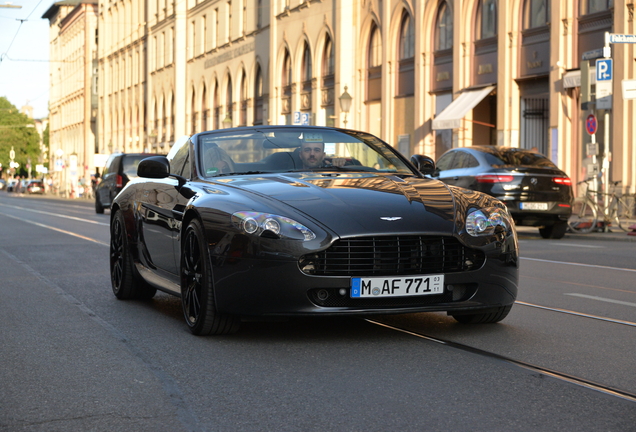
column 24, row 54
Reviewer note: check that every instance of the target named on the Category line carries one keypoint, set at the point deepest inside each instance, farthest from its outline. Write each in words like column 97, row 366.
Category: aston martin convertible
column 283, row 221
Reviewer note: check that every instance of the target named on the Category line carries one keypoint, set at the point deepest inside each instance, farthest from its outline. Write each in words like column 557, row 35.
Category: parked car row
column 23, row 186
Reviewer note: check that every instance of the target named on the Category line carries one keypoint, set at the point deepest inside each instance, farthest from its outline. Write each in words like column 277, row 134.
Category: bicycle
column 587, row 210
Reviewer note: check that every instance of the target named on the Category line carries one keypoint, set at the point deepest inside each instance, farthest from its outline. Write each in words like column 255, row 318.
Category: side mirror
column 156, row 167
column 424, row 164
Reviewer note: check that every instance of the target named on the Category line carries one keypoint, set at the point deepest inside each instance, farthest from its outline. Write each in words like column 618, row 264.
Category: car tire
column 484, row 318
column 555, row 231
column 197, row 287
column 99, row 208
column 126, row 282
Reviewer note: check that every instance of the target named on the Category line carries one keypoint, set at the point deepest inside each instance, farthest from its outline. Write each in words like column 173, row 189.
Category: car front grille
column 392, row 255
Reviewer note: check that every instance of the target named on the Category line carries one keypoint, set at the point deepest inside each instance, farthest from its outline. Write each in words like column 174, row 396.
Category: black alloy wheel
column 197, row 290
column 484, row 318
column 126, row 281
column 99, row 208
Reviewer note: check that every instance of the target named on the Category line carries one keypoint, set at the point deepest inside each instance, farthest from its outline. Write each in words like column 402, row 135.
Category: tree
column 17, row 130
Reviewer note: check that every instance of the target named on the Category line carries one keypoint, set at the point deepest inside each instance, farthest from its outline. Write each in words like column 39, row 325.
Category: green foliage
column 17, row 130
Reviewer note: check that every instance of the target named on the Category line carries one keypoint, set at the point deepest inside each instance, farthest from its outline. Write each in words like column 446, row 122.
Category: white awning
column 572, row 79
column 451, row 117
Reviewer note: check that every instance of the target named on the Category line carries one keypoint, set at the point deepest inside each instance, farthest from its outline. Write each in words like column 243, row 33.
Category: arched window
column 444, row 28
column 307, row 74
column 375, row 48
column 407, row 38
column 243, row 100
column 592, row 6
column 258, row 96
column 535, row 13
column 374, row 65
column 327, row 85
column 406, row 64
column 193, row 112
column 228, row 104
column 306, row 68
column 155, row 132
column 328, row 58
column 204, row 109
column 164, row 121
column 216, row 106
column 171, row 117
column 286, row 81
column 486, row 19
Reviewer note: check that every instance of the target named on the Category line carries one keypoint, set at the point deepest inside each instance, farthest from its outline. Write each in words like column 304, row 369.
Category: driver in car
column 313, row 156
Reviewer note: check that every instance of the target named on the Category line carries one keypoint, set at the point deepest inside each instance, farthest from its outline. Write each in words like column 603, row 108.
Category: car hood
column 360, row 203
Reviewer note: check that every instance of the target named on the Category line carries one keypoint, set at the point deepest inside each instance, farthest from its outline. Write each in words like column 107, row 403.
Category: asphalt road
column 75, row 358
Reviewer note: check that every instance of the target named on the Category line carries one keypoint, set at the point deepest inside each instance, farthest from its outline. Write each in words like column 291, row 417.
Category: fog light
column 323, row 294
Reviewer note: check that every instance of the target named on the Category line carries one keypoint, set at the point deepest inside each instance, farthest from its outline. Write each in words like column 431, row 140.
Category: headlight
column 256, row 223
column 482, row 222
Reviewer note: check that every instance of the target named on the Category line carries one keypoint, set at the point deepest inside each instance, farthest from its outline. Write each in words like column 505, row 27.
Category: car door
column 163, row 203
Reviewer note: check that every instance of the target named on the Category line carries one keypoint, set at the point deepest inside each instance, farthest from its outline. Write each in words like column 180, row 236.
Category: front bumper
column 273, row 287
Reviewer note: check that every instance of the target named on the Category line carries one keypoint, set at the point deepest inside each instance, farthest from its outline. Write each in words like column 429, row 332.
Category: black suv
column 120, row 169
column 536, row 192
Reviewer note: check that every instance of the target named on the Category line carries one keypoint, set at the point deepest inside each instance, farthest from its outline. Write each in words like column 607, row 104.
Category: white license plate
column 397, row 287
column 534, row 206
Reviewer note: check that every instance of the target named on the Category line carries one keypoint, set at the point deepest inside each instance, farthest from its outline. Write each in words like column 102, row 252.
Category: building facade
column 73, row 94
column 423, row 75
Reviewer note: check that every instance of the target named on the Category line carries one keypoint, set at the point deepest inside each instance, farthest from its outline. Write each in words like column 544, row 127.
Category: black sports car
column 536, row 192
column 290, row 220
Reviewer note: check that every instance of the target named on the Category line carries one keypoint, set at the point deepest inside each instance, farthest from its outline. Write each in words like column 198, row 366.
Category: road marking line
column 581, row 265
column 57, row 229
column 576, row 245
column 56, row 215
column 603, row 299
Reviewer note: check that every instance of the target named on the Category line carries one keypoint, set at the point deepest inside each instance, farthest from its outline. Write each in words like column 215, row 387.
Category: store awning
column 451, row 117
column 572, row 79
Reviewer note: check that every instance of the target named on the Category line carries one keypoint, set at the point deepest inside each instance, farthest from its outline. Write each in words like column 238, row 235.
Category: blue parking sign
column 604, row 70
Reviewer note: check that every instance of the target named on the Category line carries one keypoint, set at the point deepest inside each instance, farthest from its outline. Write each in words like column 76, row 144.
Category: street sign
column 603, row 70
column 591, row 124
column 622, row 38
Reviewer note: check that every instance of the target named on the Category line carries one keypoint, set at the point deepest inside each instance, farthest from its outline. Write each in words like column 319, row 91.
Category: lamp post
column 345, row 104
column 227, row 121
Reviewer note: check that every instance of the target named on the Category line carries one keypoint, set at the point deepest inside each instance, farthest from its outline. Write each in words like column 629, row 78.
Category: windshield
column 294, row 148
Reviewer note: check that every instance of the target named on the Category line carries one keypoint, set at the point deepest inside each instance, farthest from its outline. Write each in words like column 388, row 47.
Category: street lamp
column 345, row 104
column 227, row 121
column 9, row 5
